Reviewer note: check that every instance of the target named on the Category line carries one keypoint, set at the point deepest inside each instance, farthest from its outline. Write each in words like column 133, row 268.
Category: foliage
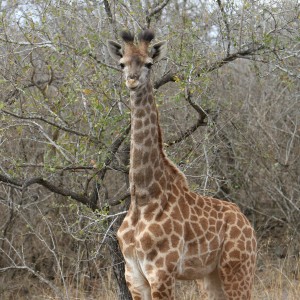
column 228, row 95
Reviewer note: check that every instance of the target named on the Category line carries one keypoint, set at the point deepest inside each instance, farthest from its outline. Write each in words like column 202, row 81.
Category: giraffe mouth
column 133, row 88
column 132, row 84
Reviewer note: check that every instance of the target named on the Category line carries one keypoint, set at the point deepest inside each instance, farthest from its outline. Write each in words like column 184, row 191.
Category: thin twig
column 225, row 20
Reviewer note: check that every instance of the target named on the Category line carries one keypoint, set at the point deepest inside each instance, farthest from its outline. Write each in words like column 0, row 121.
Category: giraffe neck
column 147, row 158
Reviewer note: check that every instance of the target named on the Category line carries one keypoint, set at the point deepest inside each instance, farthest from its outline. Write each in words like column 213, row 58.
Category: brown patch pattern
column 169, row 231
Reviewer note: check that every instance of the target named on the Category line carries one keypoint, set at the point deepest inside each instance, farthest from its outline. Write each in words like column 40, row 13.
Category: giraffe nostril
column 133, row 76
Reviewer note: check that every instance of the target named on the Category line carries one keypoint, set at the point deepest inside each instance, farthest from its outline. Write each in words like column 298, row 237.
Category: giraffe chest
column 149, row 247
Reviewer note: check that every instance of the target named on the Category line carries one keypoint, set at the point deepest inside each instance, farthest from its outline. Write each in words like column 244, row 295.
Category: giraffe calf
column 170, row 232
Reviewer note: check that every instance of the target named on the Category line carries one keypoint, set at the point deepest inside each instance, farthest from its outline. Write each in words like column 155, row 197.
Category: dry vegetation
column 276, row 279
column 64, row 131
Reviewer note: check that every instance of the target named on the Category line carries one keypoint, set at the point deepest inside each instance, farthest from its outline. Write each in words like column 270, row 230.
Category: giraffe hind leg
column 237, row 286
column 213, row 286
column 237, row 269
column 226, row 287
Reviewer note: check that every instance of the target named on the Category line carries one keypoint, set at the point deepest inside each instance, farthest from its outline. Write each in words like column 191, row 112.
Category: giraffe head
column 136, row 59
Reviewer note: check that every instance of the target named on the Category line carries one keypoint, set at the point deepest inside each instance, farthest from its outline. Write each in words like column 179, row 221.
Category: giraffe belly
column 195, row 268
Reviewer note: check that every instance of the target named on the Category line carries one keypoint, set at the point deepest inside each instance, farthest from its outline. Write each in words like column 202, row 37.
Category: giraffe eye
column 148, row 65
column 122, row 66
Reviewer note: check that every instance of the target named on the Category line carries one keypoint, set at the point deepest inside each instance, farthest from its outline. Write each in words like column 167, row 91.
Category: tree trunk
column 119, row 269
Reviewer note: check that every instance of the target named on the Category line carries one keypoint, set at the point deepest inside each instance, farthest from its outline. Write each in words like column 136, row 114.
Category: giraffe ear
column 115, row 50
column 158, row 50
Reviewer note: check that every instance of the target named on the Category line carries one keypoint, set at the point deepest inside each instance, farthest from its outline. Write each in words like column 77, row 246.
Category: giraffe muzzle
column 132, row 83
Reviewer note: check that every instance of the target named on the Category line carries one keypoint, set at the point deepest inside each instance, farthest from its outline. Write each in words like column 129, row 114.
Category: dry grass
column 276, row 279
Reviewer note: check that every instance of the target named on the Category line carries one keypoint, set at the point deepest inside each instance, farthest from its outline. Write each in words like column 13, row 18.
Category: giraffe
column 171, row 233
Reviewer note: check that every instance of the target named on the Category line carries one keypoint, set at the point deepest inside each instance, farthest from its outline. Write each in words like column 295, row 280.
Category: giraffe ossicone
column 169, row 231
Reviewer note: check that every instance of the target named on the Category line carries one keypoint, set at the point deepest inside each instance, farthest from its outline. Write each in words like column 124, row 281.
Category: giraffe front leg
column 137, row 284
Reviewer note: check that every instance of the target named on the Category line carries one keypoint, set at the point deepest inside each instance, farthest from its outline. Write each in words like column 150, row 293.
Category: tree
column 228, row 96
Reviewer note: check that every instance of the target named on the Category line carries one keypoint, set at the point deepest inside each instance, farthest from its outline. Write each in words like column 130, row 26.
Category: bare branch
column 88, row 201
column 225, row 20
column 175, row 76
column 58, row 190
column 200, row 121
column 108, row 11
column 188, row 132
column 48, row 44
column 50, row 186
column 111, row 153
column 169, row 77
column 131, row 14
column 156, row 10
column 39, row 118
column 119, row 199
column 197, row 108
column 229, row 58
column 10, row 180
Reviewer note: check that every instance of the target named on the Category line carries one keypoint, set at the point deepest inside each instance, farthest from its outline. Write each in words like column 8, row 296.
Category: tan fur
column 170, row 232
